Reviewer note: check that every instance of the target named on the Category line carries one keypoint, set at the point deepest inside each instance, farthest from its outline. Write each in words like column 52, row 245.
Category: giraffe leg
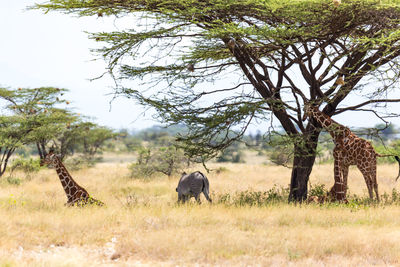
column 339, row 187
column 376, row 187
column 345, row 175
column 69, row 202
column 373, row 178
column 366, row 172
column 370, row 190
column 376, row 190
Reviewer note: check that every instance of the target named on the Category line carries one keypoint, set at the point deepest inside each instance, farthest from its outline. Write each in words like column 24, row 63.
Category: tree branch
column 341, row 110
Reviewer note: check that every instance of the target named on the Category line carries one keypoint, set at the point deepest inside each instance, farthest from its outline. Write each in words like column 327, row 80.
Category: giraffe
column 76, row 194
column 349, row 150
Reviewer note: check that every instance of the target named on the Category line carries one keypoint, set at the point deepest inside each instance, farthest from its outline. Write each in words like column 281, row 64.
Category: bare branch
column 341, row 110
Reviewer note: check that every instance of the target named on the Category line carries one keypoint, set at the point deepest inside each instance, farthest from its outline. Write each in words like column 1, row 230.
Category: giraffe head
column 308, row 110
column 49, row 159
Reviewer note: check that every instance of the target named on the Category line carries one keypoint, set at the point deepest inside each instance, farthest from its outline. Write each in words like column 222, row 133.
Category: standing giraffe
column 349, row 150
column 76, row 194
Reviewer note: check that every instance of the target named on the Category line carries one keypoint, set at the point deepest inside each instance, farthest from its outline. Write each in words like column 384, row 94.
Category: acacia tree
column 92, row 138
column 64, row 137
column 277, row 55
column 13, row 129
column 29, row 116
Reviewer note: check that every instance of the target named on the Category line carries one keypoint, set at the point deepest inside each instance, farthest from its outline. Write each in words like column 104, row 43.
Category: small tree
column 29, row 116
column 166, row 160
column 26, row 165
column 13, row 130
column 232, row 153
column 130, row 142
column 67, row 140
column 54, row 127
column 93, row 138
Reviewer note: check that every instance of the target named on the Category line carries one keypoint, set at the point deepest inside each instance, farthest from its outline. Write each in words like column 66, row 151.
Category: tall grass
column 249, row 222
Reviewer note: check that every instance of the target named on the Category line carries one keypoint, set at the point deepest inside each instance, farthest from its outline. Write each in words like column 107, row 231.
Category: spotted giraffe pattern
column 76, row 194
column 349, row 150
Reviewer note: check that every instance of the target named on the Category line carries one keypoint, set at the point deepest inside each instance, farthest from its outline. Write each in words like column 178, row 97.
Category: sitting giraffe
column 76, row 194
column 349, row 150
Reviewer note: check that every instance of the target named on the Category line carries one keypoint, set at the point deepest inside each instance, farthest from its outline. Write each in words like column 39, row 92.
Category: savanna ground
column 142, row 225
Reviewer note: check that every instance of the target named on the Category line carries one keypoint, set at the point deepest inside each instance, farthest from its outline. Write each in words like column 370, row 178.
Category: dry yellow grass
column 142, row 225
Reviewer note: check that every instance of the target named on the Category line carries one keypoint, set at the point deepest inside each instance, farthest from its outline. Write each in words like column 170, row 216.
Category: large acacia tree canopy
column 283, row 53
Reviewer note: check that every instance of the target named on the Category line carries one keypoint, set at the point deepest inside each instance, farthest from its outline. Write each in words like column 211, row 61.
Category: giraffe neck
column 69, row 185
column 335, row 129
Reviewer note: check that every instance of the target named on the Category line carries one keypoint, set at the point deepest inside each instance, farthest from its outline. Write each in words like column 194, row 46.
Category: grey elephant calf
column 191, row 185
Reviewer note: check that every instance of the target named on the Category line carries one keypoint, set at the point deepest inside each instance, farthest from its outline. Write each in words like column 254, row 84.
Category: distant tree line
column 275, row 146
column 33, row 120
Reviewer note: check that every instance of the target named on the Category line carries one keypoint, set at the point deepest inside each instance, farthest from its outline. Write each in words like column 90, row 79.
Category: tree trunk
column 7, row 153
column 41, row 147
column 303, row 162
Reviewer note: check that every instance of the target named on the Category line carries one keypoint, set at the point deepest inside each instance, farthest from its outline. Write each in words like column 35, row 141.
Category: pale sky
column 52, row 49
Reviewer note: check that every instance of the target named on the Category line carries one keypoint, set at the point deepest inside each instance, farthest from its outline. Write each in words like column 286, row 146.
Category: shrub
column 317, row 190
column 255, row 198
column 138, row 170
column 395, row 195
column 14, row 180
column 81, row 162
column 166, row 160
column 279, row 195
column 26, row 165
